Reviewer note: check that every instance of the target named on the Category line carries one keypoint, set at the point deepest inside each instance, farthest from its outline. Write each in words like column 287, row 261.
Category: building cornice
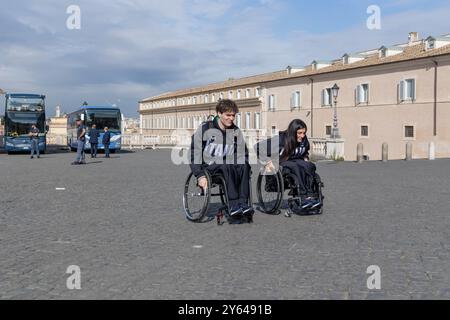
column 244, row 103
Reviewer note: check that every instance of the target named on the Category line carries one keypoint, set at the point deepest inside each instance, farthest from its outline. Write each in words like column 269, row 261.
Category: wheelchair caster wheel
column 288, row 214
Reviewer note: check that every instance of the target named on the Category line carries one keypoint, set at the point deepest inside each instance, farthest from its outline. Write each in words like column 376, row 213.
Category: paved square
column 121, row 221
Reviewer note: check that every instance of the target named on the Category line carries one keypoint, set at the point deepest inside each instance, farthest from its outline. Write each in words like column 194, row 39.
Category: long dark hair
column 290, row 141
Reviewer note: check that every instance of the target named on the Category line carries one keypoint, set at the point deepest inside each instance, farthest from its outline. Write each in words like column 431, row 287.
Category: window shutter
column 402, row 91
column 358, row 94
column 323, row 97
column 413, row 89
column 368, row 94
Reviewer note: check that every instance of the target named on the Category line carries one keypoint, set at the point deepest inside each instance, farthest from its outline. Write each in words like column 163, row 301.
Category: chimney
column 413, row 37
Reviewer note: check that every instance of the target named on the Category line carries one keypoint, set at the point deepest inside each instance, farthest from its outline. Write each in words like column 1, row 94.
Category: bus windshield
column 19, row 123
column 25, row 104
column 103, row 118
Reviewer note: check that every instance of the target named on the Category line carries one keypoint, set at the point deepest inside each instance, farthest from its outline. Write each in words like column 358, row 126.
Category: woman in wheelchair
column 298, row 173
column 218, row 148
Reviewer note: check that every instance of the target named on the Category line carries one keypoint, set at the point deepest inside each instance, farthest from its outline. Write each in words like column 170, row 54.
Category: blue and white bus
column 101, row 116
column 22, row 110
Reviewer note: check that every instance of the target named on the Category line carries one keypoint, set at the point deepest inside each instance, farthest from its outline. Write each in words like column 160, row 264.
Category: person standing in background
column 34, row 136
column 106, row 141
column 93, row 139
column 81, row 141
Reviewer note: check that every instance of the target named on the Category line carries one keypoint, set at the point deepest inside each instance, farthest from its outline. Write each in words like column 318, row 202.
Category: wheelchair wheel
column 317, row 188
column 195, row 199
column 270, row 192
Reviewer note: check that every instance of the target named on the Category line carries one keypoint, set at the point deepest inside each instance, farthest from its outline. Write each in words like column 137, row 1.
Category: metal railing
column 141, row 141
column 318, row 147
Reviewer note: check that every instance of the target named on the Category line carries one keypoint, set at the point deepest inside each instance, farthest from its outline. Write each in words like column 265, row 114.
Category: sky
column 127, row 50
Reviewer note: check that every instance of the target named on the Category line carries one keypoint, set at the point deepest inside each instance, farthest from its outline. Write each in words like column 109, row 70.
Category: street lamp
column 335, row 131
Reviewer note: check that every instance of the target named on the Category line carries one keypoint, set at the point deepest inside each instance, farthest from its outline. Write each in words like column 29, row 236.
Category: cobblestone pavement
column 121, row 221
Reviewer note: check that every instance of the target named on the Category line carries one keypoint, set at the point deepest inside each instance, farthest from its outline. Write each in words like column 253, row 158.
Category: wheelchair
column 271, row 189
column 197, row 201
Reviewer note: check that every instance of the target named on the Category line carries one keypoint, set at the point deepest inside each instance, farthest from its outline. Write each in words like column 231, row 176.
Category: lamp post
column 335, row 131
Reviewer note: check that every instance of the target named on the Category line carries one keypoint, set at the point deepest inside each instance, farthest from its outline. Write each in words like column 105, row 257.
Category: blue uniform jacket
column 94, row 134
column 106, row 137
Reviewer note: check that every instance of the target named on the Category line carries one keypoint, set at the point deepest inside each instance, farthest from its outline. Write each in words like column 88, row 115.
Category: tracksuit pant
column 305, row 172
column 237, row 179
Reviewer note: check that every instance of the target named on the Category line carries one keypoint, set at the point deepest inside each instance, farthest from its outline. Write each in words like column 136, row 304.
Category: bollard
column 384, row 152
column 431, row 151
column 408, row 151
column 359, row 153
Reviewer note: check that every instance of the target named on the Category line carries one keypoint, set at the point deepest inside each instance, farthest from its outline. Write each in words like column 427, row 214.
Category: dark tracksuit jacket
column 295, row 164
column 213, row 150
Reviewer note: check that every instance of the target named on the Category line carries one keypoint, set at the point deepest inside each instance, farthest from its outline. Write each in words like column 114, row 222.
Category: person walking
column 93, row 139
column 81, row 141
column 34, row 136
column 106, row 141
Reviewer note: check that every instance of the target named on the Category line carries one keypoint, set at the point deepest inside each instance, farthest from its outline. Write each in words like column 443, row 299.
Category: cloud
column 128, row 50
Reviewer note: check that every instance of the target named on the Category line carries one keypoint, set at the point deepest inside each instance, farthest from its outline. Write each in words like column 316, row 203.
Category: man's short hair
column 226, row 105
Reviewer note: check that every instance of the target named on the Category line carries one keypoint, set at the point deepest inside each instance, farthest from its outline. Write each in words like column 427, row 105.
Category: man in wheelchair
column 291, row 150
column 218, row 146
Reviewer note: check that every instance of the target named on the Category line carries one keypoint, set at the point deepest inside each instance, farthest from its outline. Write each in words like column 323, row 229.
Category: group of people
column 218, row 146
column 94, row 135
column 224, row 151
